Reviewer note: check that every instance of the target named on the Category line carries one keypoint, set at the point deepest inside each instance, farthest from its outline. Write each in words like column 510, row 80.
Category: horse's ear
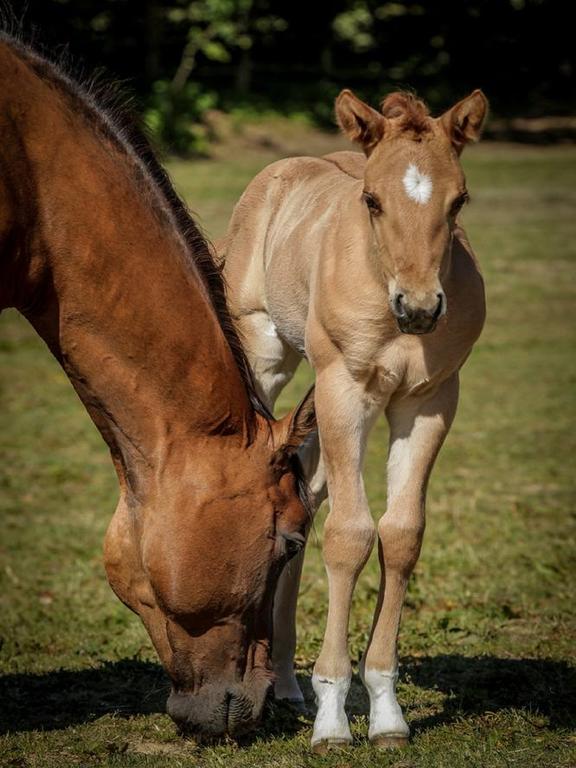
column 290, row 431
column 463, row 123
column 358, row 121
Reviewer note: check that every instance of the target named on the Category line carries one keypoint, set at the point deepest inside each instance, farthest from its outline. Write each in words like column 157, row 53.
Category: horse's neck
column 104, row 280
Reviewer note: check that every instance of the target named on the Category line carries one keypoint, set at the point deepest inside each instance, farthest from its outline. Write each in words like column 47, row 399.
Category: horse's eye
column 458, row 203
column 373, row 204
column 293, row 543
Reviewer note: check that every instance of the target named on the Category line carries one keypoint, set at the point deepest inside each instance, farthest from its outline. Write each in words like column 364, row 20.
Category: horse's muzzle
column 216, row 710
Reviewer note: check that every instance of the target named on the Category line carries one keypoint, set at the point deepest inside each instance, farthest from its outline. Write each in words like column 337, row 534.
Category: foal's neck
column 104, row 275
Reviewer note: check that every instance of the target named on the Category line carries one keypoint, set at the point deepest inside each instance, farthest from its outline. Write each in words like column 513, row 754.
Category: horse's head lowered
column 414, row 188
column 213, row 560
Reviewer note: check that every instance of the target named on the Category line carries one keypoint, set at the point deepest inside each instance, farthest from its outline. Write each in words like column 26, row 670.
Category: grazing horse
column 101, row 256
column 357, row 262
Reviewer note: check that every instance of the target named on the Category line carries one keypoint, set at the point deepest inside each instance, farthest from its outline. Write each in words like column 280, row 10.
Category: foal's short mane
column 411, row 113
column 106, row 112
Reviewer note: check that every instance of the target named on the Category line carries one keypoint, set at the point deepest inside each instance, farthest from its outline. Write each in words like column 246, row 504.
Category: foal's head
column 414, row 188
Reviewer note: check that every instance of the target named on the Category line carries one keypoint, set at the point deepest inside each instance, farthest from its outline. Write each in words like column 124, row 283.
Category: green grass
column 487, row 640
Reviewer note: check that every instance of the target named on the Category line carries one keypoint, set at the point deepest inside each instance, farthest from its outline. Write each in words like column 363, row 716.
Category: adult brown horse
column 357, row 261
column 100, row 255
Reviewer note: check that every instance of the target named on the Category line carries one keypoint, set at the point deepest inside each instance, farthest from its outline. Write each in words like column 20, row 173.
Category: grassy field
column 487, row 641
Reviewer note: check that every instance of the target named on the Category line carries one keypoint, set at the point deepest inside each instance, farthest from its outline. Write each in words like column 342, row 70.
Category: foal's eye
column 458, row 203
column 372, row 202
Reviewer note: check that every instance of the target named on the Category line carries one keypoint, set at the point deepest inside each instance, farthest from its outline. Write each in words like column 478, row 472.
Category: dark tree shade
column 519, row 51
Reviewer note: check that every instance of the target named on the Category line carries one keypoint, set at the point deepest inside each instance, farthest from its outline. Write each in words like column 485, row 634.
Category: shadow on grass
column 70, row 697
column 487, row 684
column 481, row 684
column 472, row 686
column 64, row 698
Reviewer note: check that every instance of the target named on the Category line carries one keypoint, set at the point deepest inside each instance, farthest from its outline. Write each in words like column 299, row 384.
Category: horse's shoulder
column 351, row 163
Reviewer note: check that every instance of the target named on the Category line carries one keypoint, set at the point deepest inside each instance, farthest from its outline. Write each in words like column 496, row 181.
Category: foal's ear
column 290, row 431
column 358, row 121
column 463, row 123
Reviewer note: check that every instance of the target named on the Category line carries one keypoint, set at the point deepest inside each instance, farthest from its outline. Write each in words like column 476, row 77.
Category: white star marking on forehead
column 418, row 185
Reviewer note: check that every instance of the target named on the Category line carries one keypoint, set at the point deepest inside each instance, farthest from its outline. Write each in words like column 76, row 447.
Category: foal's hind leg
column 286, row 599
column 273, row 363
column 417, row 430
column 272, row 360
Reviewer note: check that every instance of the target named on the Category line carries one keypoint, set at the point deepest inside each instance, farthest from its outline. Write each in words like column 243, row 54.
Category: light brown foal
column 357, row 262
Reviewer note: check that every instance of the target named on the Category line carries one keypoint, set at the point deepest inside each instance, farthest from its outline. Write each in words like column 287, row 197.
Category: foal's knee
column 348, row 543
column 401, row 541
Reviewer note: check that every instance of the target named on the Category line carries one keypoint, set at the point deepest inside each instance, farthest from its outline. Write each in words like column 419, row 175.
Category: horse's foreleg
column 417, row 430
column 345, row 416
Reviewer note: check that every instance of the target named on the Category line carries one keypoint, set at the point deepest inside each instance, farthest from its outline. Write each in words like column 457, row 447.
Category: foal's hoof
column 389, row 741
column 329, row 745
column 298, row 705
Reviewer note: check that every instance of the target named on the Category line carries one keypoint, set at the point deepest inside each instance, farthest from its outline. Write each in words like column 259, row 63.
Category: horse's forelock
column 410, row 112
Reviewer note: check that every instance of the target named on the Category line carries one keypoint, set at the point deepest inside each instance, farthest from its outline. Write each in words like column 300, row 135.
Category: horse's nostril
column 239, row 714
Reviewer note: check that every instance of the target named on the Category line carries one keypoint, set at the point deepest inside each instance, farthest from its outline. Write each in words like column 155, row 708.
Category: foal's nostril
column 398, row 305
column 440, row 307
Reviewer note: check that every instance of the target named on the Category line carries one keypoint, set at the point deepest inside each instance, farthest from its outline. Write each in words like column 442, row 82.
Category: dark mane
column 409, row 111
column 107, row 112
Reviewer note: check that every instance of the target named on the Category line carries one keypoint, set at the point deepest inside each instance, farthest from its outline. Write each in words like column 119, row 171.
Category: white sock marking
column 331, row 723
column 386, row 718
column 418, row 185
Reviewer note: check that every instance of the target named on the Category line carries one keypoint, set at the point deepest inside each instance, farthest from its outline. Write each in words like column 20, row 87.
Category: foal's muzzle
column 417, row 319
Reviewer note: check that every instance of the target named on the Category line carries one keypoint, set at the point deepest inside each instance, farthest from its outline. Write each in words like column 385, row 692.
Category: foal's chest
column 405, row 365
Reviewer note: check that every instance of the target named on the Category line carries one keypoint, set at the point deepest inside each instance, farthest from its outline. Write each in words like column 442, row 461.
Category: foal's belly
column 288, row 300
column 290, row 325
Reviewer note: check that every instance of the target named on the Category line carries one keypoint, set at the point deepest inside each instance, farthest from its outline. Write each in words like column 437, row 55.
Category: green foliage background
column 182, row 57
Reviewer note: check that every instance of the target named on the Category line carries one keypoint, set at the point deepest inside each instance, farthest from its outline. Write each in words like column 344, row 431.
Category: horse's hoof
column 328, row 745
column 389, row 741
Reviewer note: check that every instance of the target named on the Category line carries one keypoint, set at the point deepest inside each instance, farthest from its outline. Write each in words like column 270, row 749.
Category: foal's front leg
column 345, row 414
column 417, row 430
